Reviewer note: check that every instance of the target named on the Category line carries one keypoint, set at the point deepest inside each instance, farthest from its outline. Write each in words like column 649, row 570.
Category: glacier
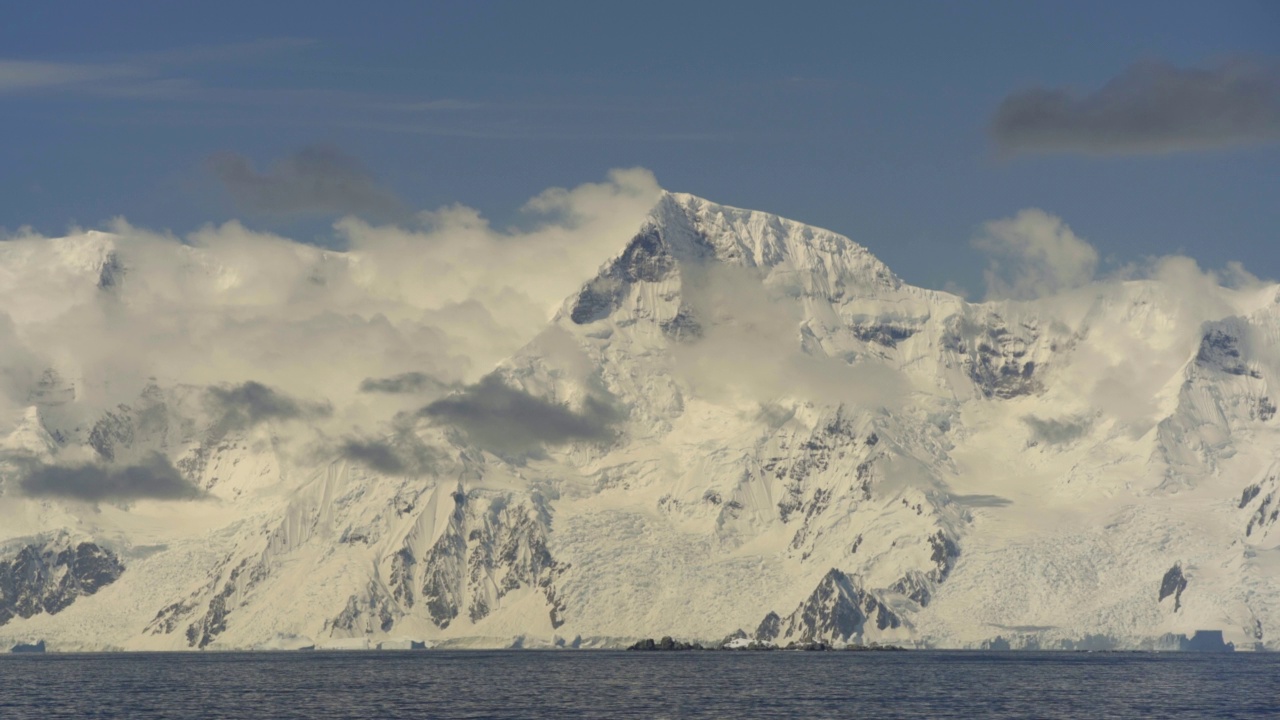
column 740, row 426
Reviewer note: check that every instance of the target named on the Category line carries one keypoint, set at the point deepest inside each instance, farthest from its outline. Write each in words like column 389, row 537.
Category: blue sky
column 903, row 125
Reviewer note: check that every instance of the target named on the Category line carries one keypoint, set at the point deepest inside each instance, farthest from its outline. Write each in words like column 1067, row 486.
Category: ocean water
column 598, row 684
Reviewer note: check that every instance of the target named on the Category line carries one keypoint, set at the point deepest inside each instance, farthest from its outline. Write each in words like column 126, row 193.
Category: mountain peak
column 759, row 239
column 684, row 235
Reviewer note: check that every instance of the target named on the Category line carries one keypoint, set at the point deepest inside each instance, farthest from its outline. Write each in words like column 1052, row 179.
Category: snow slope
column 741, row 422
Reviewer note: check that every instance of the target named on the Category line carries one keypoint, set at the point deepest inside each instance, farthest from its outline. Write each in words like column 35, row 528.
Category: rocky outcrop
column 50, row 577
column 666, row 644
column 1173, row 583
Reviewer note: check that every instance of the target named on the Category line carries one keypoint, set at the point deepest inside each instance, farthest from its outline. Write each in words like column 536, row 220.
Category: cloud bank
column 155, row 478
column 245, row 329
column 1151, row 108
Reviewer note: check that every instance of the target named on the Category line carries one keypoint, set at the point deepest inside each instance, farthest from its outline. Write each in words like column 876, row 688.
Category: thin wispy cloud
column 21, row 75
column 1151, row 108
column 141, row 75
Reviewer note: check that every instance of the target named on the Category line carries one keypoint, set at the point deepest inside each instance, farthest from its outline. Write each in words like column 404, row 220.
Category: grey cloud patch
column 1056, row 432
column 245, row 405
column 315, row 181
column 404, row 383
column 1153, row 107
column 155, row 478
column 982, row 501
column 507, row 420
column 401, row 457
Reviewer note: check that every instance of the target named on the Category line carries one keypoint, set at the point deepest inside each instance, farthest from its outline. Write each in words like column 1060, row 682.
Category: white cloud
column 1034, row 254
column 228, row 304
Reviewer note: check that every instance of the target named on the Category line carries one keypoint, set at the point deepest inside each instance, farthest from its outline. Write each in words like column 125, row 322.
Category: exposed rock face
column 47, row 578
column 488, row 549
column 1173, row 584
column 997, row 357
column 769, row 629
column 375, row 612
column 1262, row 500
column 647, row 259
column 218, row 599
column 888, row 334
column 130, row 431
column 112, row 272
column 838, row 611
column 1220, row 350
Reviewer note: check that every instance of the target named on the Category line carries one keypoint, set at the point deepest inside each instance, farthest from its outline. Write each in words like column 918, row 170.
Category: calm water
column 586, row 684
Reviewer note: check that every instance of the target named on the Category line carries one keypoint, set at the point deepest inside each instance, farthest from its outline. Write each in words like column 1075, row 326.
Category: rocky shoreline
column 669, row 644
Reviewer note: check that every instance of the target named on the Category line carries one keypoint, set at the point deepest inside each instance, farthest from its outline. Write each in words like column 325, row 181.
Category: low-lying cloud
column 753, row 349
column 315, row 181
column 153, row 478
column 1151, row 108
column 248, row 404
column 504, row 419
column 400, row 456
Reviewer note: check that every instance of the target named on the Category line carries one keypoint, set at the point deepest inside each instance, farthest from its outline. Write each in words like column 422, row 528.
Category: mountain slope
column 740, row 423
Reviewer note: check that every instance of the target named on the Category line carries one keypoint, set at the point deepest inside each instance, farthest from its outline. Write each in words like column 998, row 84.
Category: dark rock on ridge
column 647, row 258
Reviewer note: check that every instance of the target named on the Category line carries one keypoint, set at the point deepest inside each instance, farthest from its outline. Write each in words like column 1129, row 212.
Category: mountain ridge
column 739, row 414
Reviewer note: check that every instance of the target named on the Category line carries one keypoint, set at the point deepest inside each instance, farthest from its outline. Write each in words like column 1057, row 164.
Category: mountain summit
column 740, row 423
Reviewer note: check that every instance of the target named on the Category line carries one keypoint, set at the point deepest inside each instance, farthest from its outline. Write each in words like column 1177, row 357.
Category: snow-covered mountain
column 740, row 423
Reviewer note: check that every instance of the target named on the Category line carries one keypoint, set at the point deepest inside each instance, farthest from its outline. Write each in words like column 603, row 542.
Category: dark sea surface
column 598, row 684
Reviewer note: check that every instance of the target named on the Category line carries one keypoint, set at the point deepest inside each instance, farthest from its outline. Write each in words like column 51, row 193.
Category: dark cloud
column 316, row 180
column 507, row 420
column 404, row 456
column 242, row 406
column 410, row 382
column 155, row 478
column 1152, row 107
column 1057, row 432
